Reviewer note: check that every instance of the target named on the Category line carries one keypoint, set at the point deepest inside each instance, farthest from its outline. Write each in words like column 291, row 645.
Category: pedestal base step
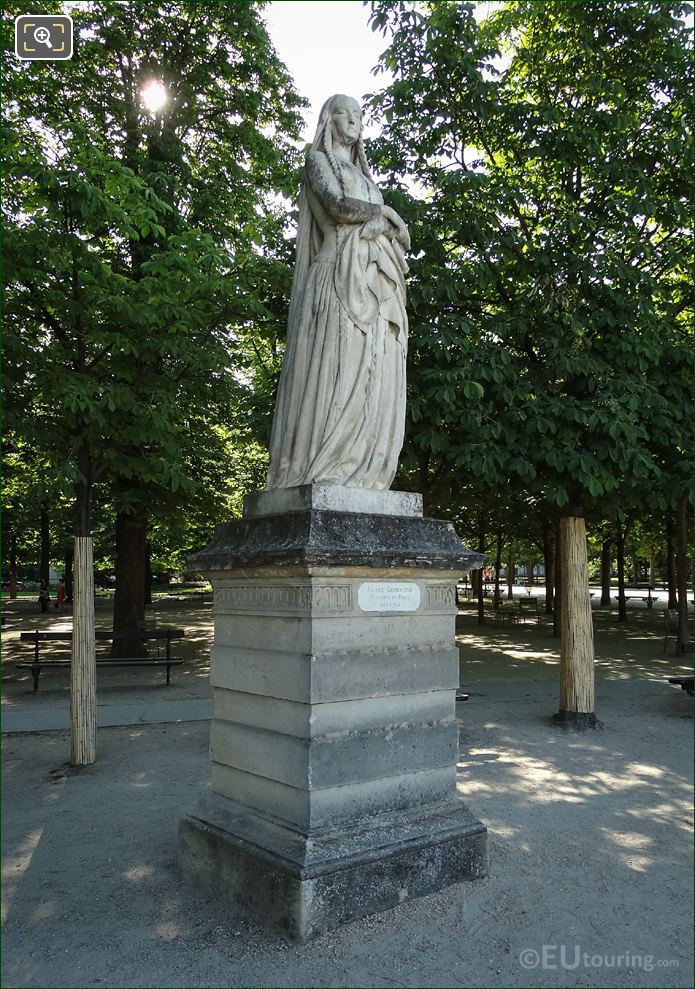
column 305, row 885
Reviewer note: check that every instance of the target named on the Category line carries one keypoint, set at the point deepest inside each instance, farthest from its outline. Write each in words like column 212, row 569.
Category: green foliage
column 540, row 158
column 144, row 253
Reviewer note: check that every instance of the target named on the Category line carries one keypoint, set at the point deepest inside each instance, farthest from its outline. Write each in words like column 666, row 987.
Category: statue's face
column 347, row 120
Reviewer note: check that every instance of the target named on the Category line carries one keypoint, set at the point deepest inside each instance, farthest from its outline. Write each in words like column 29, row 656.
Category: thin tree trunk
column 148, row 574
column 549, row 566
column 684, row 635
column 67, row 577
column 529, row 573
column 13, row 564
column 671, row 563
column 606, row 560
column 620, row 535
column 577, row 645
column 510, row 571
column 498, row 564
column 481, row 584
column 129, row 599
column 45, row 558
column 83, row 680
column 557, row 610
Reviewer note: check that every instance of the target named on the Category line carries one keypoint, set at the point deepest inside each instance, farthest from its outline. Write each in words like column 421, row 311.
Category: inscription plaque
column 386, row 595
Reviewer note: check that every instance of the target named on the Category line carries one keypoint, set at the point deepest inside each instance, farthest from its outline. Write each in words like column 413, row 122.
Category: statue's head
column 345, row 115
column 340, row 122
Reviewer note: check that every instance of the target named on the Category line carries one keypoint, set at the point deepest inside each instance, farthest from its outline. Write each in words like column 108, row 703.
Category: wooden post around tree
column 577, row 639
column 83, row 678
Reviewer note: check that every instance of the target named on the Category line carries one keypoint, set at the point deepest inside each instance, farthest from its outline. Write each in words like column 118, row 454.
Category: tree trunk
column 636, row 570
column 606, row 560
column 529, row 573
column 67, row 577
column 577, row 645
column 671, row 563
column 481, row 583
column 148, row 574
column 549, row 566
column 13, row 564
column 620, row 534
column 45, row 558
column 498, row 565
column 684, row 635
column 557, row 610
column 129, row 599
column 83, row 678
column 510, row 571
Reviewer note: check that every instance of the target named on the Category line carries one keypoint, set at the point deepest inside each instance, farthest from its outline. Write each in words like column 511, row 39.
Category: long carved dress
column 340, row 410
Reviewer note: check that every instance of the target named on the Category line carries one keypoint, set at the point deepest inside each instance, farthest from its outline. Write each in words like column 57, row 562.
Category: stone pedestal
column 334, row 738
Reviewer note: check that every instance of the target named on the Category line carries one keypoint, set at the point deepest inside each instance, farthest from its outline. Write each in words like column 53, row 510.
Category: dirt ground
column 591, row 846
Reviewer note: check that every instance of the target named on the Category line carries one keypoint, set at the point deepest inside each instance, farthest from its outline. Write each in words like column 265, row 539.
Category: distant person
column 44, row 597
column 60, row 595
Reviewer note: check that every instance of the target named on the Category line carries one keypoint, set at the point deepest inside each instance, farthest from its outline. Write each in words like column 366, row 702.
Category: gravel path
column 590, row 847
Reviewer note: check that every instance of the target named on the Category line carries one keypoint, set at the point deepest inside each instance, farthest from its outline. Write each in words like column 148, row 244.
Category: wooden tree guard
column 577, row 643
column 83, row 679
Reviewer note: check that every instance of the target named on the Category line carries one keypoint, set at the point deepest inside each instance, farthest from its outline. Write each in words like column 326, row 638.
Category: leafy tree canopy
column 542, row 160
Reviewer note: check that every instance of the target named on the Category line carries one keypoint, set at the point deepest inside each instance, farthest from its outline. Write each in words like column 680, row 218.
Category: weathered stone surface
column 314, row 719
column 333, row 498
column 332, row 806
column 324, row 637
column 306, row 886
column 336, row 539
column 341, row 675
column 334, row 741
column 336, row 758
column 340, row 411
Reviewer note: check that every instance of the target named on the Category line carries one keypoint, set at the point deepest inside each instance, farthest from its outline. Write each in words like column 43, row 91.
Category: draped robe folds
column 340, row 411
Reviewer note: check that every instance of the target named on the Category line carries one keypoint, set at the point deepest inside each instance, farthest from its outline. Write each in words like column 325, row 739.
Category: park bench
column 685, row 683
column 638, row 597
column 159, row 635
column 528, row 606
column 507, row 612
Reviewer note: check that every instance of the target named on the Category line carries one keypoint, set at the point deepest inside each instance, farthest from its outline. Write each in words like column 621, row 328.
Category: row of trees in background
column 38, row 540
column 540, row 158
column 145, row 256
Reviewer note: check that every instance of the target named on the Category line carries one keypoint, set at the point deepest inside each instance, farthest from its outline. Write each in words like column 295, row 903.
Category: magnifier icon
column 43, row 36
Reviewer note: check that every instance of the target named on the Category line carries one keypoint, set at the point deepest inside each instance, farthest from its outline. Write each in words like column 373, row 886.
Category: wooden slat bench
column 162, row 635
column 647, row 598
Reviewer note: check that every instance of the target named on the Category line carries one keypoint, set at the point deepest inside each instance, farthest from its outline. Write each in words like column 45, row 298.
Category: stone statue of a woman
column 340, row 409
